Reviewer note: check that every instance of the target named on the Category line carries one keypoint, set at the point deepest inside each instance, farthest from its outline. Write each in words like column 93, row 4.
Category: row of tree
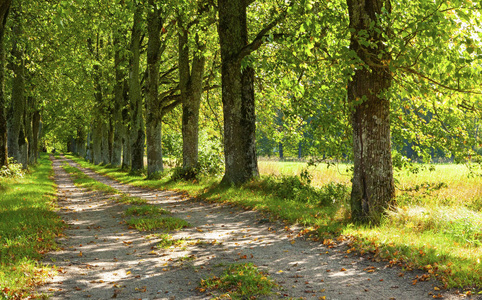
column 359, row 74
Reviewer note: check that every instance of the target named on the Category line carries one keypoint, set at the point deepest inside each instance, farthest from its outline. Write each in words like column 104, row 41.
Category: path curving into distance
column 101, row 258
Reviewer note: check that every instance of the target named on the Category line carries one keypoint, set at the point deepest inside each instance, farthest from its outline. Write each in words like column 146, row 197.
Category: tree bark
column 191, row 85
column 35, row 133
column 154, row 109
column 373, row 187
column 4, row 9
column 137, row 135
column 126, row 149
column 80, row 141
column 118, row 125
column 17, row 105
column 237, row 95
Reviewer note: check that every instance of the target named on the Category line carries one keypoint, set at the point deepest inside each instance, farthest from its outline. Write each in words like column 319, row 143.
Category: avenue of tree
column 362, row 80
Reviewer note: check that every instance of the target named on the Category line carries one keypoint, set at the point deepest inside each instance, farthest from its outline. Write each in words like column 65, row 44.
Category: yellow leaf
column 128, row 272
column 436, row 288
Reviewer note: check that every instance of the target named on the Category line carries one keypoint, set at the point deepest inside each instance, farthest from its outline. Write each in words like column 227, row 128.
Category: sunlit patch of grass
column 28, row 228
column 84, row 181
column 239, row 281
column 145, row 210
column 126, row 199
column 157, row 223
column 168, row 241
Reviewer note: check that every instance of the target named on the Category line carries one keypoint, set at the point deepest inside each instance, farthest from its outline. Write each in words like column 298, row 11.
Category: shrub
column 13, row 169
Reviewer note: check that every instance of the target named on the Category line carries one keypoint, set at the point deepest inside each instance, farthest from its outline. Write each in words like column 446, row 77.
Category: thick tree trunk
column 118, row 125
column 126, row 150
column 154, row 109
column 35, row 133
column 29, row 128
column 4, row 8
column 373, row 187
column 105, row 142
column 17, row 105
column 137, row 135
column 80, row 141
column 190, row 82
column 237, row 95
column 97, row 142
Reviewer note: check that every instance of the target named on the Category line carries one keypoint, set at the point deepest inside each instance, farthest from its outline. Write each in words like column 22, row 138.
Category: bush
column 298, row 189
column 13, row 169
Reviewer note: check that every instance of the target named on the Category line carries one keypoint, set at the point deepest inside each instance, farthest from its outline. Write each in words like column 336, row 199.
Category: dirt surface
column 101, row 258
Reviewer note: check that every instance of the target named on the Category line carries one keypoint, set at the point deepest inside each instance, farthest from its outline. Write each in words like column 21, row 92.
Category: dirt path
column 101, row 258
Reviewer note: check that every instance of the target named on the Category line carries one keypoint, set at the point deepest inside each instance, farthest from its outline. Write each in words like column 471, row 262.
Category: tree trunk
column 4, row 8
column 137, row 135
column 126, row 150
column 97, row 142
column 80, row 141
column 190, row 82
column 35, row 133
column 118, row 125
column 29, row 129
column 373, row 187
column 237, row 95
column 18, row 105
column 105, row 141
column 154, row 109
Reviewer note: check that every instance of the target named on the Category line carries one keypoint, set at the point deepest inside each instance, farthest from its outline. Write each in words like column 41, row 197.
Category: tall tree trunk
column 137, row 135
column 237, row 95
column 154, row 109
column 373, row 187
column 36, row 134
column 118, row 125
column 4, row 8
column 191, row 84
column 126, row 149
column 29, row 129
column 105, row 140
column 80, row 141
column 17, row 105
column 96, row 142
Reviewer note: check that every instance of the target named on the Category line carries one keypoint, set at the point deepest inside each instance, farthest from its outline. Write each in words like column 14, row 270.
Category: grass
column 436, row 226
column 28, row 228
column 145, row 210
column 239, row 281
column 84, row 181
column 157, row 223
column 167, row 241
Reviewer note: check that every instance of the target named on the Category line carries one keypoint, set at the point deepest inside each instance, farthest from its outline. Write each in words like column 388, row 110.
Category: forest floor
column 100, row 257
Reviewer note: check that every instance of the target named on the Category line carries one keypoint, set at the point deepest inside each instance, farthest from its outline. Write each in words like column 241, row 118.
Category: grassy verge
column 238, row 281
column 436, row 227
column 28, row 227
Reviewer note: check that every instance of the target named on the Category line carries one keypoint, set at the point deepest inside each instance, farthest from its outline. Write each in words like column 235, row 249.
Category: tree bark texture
column 191, row 85
column 126, row 149
column 373, row 187
column 4, row 8
column 137, row 135
column 154, row 109
column 118, row 125
column 237, row 95
column 17, row 105
column 35, row 133
column 80, row 141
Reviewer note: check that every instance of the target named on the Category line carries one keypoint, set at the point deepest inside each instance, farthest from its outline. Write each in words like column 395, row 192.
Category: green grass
column 28, row 228
column 239, row 281
column 145, row 210
column 157, row 223
column 168, row 241
column 82, row 180
column 436, row 226
column 126, row 199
